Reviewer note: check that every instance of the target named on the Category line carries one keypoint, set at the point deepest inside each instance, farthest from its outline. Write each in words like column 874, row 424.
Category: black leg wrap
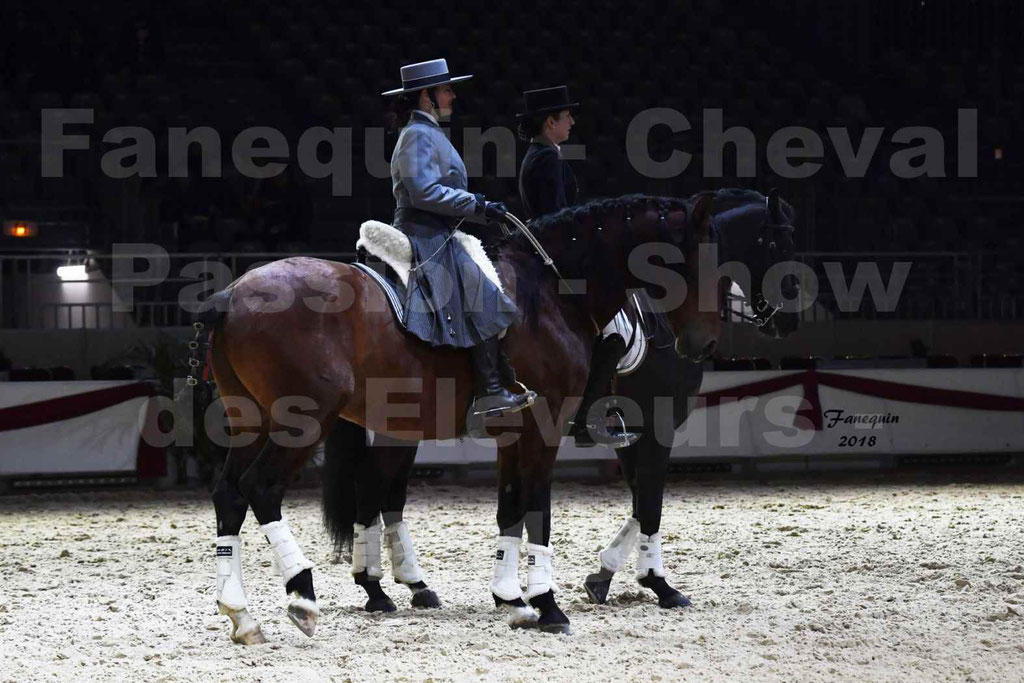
column 301, row 583
column 597, row 586
column 668, row 597
column 378, row 600
column 552, row 619
column 502, row 602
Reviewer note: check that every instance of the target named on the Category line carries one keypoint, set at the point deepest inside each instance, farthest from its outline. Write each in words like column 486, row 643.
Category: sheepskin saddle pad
column 391, row 246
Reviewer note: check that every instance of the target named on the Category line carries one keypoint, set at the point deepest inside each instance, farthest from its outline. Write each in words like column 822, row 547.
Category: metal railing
column 939, row 285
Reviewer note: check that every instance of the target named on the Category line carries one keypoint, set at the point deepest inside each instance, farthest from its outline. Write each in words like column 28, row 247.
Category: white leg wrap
column 538, row 578
column 404, row 565
column 366, row 550
column 505, row 583
column 230, row 591
column 287, row 553
column 648, row 555
column 613, row 558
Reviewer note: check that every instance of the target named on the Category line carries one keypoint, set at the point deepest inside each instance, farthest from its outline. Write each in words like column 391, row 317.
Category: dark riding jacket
column 546, row 181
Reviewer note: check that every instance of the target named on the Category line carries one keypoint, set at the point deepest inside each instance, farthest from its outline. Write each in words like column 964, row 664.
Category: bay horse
column 361, row 483
column 300, row 342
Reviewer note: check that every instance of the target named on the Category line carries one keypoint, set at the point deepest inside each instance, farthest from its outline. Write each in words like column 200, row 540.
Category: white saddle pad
column 391, row 246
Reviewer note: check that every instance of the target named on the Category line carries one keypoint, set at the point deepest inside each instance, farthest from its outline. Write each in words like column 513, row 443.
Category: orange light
column 20, row 229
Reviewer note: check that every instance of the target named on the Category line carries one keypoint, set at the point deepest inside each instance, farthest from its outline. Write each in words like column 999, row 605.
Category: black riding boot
column 603, row 363
column 490, row 397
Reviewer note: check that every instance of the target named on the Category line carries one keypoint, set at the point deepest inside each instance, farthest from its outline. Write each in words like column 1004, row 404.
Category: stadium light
column 72, row 273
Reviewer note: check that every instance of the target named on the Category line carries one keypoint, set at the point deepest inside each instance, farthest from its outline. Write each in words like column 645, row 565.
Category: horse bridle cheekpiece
column 771, row 233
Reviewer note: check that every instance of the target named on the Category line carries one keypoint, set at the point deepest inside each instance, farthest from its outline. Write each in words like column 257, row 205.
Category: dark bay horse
column 300, row 342
column 752, row 229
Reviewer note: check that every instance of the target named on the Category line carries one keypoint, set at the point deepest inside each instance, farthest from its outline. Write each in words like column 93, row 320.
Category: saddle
column 391, row 246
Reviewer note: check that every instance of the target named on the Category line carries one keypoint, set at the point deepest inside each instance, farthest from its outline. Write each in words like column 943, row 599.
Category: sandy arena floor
column 790, row 582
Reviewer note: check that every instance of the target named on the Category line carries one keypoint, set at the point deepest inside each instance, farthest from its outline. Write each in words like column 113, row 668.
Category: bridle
column 763, row 310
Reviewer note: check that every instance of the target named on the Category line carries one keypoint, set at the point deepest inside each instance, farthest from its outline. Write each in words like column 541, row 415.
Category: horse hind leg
column 405, row 566
column 232, row 601
column 263, row 485
column 231, row 507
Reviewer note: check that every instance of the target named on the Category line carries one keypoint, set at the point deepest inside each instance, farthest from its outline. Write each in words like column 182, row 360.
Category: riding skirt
column 449, row 301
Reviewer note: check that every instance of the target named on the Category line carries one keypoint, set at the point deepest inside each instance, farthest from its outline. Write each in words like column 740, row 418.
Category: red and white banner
column 820, row 413
column 75, row 428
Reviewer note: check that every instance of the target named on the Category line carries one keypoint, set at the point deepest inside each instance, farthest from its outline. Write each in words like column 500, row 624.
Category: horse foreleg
column 651, row 474
column 263, row 485
column 536, row 473
column 505, row 587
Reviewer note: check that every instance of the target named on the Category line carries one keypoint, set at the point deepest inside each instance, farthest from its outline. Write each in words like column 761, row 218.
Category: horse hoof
column 597, row 590
column 244, row 629
column 668, row 597
column 673, row 601
column 380, row 605
column 304, row 614
column 520, row 615
column 425, row 598
column 552, row 618
column 255, row 637
column 563, row 629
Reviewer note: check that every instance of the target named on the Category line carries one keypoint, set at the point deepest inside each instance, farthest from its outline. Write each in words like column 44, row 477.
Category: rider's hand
column 496, row 211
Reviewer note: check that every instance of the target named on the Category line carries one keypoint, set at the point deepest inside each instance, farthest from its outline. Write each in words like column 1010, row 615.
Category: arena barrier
column 49, row 428
column 828, row 414
column 79, row 427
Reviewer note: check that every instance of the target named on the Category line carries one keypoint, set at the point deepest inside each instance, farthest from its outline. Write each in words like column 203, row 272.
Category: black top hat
column 546, row 100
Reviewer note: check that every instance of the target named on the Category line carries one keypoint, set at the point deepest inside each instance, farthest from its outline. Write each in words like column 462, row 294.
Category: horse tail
column 343, row 449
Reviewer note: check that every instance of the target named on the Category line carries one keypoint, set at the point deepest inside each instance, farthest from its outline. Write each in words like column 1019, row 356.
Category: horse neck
column 596, row 295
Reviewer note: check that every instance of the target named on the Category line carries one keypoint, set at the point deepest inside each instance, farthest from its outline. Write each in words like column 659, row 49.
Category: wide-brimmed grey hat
column 416, row 77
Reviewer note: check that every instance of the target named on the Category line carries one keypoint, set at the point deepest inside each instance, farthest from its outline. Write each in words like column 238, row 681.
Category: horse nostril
column 709, row 350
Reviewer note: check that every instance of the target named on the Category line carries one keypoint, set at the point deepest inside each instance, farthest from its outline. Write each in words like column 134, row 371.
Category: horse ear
column 701, row 210
column 774, row 206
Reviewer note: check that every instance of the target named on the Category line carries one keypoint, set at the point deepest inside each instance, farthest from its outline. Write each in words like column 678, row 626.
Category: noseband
column 767, row 240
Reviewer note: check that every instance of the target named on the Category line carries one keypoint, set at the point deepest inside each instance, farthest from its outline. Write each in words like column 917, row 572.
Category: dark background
column 231, row 65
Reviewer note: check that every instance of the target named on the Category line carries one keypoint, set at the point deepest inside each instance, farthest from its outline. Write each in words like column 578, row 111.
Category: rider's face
column 445, row 96
column 560, row 125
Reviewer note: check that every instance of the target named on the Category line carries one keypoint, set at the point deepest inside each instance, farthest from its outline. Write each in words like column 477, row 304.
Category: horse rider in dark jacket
column 450, row 302
column 546, row 185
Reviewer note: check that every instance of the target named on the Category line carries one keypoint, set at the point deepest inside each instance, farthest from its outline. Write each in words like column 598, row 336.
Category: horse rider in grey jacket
column 449, row 301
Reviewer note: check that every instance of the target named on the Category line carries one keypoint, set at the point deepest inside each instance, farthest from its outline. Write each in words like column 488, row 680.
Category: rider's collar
column 541, row 140
column 427, row 115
